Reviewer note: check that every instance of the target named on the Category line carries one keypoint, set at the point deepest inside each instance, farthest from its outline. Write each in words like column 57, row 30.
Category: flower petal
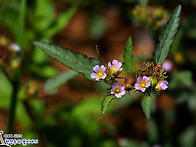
column 122, row 87
column 103, row 68
column 123, row 92
column 120, row 69
column 137, row 86
column 118, row 95
column 145, row 78
column 114, row 86
column 112, row 91
column 119, row 64
column 96, row 68
column 93, row 75
column 139, row 79
column 104, row 76
column 148, row 84
column 115, row 62
column 97, row 79
column 109, row 64
column 142, row 89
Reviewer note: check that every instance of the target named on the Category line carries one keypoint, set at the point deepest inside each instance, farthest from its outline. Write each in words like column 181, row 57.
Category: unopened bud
column 153, row 81
column 128, row 87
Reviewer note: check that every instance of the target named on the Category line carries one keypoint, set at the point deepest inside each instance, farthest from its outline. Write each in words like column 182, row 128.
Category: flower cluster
column 9, row 53
column 109, row 73
column 151, row 75
column 150, row 16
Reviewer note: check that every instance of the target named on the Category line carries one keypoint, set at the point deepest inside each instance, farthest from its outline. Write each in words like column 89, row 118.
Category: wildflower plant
column 149, row 77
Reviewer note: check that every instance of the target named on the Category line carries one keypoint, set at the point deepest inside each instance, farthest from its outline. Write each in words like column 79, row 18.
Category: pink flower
column 15, row 47
column 167, row 65
column 99, row 72
column 142, row 83
column 162, row 85
column 118, row 90
column 115, row 66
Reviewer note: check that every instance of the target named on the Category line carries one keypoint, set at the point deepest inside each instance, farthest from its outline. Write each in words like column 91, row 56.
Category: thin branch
column 98, row 54
column 29, row 112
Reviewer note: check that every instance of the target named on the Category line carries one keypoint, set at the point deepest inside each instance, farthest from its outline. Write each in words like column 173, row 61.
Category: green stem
column 16, row 77
column 15, row 88
column 30, row 113
column 12, row 109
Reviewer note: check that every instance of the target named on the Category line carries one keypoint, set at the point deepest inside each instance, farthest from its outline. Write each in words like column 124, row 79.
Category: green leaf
column 146, row 105
column 128, row 57
column 45, row 71
column 43, row 15
column 167, row 36
column 51, row 86
column 97, row 26
column 61, row 22
column 187, row 137
column 106, row 102
column 75, row 61
column 184, row 77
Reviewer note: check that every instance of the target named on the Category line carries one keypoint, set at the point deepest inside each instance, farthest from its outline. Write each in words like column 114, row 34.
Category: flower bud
column 161, row 85
column 128, row 87
column 153, row 81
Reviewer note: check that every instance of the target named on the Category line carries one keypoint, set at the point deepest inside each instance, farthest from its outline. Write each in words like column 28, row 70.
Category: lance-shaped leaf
column 128, row 57
column 146, row 105
column 167, row 36
column 51, row 86
column 75, row 61
column 106, row 102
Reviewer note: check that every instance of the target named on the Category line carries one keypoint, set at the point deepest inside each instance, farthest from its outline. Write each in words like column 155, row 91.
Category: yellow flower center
column 114, row 68
column 117, row 90
column 157, row 87
column 100, row 74
column 142, row 84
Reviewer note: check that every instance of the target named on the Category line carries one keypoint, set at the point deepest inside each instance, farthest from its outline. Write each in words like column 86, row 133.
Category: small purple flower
column 142, row 83
column 100, row 72
column 15, row 47
column 115, row 66
column 167, row 65
column 162, row 85
column 118, row 90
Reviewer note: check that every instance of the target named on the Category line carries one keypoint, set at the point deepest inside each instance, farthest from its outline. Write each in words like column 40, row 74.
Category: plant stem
column 15, row 88
column 29, row 112
column 17, row 72
column 12, row 110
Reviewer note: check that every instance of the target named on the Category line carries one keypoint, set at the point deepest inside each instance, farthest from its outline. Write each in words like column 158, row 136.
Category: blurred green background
column 62, row 108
